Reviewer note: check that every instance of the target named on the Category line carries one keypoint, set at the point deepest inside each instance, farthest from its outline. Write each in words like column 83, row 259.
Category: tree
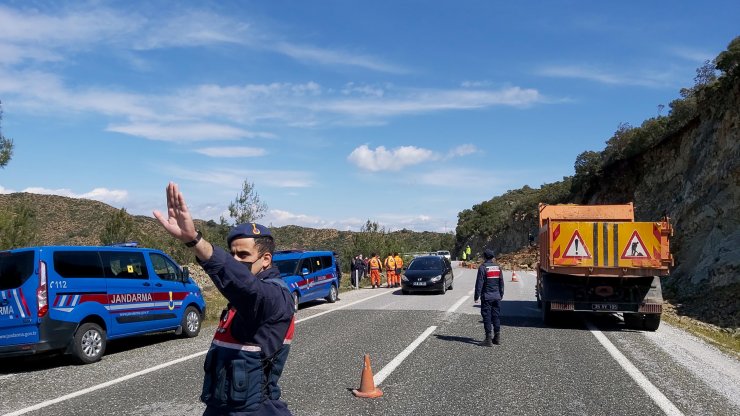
column 727, row 61
column 705, row 74
column 247, row 207
column 17, row 229
column 6, row 144
column 118, row 229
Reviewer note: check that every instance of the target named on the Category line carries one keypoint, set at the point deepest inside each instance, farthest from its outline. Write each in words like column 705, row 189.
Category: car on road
column 75, row 298
column 445, row 254
column 310, row 275
column 431, row 273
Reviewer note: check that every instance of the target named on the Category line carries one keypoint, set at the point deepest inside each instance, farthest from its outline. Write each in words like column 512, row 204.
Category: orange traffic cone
column 367, row 384
column 513, row 277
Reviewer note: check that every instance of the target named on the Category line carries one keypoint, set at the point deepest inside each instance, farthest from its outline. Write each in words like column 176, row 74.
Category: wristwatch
column 198, row 237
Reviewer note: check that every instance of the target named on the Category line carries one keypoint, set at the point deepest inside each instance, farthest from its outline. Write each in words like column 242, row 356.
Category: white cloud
column 382, row 159
column 232, row 151
column 4, row 190
column 109, row 196
column 233, row 179
column 463, row 150
column 654, row 79
column 690, row 54
column 334, row 58
column 182, row 132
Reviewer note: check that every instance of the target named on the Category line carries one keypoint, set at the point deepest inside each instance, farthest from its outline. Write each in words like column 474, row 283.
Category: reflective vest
column 390, row 264
column 374, row 264
column 238, row 377
column 399, row 262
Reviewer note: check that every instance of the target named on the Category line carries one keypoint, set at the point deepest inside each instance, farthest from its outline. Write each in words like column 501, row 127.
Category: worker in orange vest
column 399, row 268
column 390, row 270
column 375, row 267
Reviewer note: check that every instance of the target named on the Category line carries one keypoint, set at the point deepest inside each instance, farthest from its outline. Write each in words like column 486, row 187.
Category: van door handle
column 147, row 284
column 158, row 285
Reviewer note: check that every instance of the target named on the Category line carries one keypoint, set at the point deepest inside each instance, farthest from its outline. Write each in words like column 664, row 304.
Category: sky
column 400, row 112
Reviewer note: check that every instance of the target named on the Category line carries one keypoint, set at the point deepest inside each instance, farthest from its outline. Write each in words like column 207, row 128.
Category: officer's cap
column 248, row 230
column 488, row 253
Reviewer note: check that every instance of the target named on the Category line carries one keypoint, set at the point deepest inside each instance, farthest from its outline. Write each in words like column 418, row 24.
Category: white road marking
column 388, row 369
column 161, row 366
column 457, row 304
column 659, row 398
column 102, row 386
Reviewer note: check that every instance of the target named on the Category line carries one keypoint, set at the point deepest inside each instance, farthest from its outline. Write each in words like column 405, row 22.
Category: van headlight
column 435, row 279
column 404, row 278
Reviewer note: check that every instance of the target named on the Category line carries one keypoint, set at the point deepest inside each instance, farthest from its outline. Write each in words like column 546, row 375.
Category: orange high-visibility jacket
column 399, row 262
column 374, row 264
column 390, row 263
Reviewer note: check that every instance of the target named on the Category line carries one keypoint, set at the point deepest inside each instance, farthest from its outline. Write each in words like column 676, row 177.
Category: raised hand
column 179, row 223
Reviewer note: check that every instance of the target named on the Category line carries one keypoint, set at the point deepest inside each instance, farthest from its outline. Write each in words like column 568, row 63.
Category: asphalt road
column 425, row 358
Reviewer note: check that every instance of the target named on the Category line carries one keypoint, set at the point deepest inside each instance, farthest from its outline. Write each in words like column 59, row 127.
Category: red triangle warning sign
column 635, row 248
column 576, row 248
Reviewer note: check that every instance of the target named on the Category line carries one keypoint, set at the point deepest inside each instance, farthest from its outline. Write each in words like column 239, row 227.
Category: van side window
column 78, row 264
column 124, row 265
column 15, row 269
column 164, row 268
column 326, row 262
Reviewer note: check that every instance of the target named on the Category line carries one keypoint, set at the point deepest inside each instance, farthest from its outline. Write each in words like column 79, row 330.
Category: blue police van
column 310, row 275
column 74, row 299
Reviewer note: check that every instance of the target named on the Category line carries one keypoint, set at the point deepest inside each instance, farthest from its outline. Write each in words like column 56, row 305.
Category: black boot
column 487, row 342
column 496, row 339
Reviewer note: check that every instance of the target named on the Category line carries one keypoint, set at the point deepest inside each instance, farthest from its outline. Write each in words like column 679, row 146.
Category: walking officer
column 489, row 288
column 251, row 344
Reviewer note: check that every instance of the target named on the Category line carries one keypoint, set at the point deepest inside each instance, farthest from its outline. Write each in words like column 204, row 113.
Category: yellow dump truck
column 596, row 258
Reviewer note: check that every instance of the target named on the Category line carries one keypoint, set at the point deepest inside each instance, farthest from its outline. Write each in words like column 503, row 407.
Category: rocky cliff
column 693, row 176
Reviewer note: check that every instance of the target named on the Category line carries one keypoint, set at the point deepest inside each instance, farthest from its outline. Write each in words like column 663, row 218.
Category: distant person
column 375, row 269
column 489, row 288
column 399, row 268
column 355, row 268
column 251, row 345
column 339, row 273
column 531, row 239
column 467, row 252
column 390, row 270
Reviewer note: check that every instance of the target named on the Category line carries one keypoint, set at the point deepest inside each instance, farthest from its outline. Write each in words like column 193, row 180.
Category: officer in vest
column 489, row 288
column 251, row 344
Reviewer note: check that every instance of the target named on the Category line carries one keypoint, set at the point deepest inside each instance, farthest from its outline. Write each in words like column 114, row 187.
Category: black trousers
column 490, row 310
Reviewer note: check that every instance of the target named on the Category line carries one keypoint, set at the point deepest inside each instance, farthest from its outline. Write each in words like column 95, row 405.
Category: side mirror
column 185, row 274
column 304, row 271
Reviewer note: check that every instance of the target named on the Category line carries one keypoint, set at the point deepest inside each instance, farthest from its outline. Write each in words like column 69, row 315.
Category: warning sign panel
column 635, row 248
column 576, row 248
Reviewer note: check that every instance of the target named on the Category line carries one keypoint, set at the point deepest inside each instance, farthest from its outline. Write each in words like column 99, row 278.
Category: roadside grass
column 719, row 337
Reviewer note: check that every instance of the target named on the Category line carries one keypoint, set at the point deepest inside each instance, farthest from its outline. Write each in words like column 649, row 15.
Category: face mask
column 248, row 264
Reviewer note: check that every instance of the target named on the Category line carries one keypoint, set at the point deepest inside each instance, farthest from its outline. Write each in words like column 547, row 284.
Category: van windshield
column 287, row 267
column 15, row 268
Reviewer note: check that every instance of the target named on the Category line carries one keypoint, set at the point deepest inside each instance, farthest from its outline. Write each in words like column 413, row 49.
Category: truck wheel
column 89, row 343
column 548, row 316
column 651, row 322
column 190, row 322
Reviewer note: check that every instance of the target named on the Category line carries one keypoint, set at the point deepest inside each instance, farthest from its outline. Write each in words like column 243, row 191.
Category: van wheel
column 89, row 343
column 332, row 297
column 295, row 300
column 190, row 322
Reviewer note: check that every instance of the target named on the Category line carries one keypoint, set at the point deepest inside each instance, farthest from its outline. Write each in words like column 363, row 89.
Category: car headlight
column 404, row 278
column 436, row 279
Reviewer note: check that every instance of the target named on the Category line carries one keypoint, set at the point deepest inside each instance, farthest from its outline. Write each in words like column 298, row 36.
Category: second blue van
column 310, row 275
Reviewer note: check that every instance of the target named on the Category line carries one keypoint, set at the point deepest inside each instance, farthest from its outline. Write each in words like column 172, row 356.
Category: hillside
column 69, row 221
column 685, row 164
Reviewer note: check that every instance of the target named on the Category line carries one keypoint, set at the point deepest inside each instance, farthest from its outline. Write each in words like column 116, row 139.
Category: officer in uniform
column 489, row 288
column 251, row 344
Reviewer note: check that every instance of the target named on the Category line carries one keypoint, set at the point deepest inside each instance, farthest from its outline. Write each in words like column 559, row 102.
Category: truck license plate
column 604, row 307
column 420, row 283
